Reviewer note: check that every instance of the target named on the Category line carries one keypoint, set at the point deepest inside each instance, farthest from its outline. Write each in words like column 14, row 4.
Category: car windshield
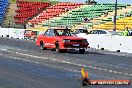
column 62, row 32
column 81, row 31
column 98, row 32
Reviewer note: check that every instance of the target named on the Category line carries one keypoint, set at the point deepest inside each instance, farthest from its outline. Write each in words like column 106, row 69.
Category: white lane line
column 115, row 71
column 68, row 62
column 36, row 62
column 130, row 74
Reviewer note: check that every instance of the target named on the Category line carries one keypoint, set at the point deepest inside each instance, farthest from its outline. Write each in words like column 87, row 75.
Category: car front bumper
column 76, row 45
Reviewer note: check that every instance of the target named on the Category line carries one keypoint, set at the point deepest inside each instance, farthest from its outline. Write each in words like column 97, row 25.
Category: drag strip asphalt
column 24, row 65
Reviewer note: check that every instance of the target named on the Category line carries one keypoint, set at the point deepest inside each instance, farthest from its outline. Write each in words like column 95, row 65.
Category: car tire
column 81, row 51
column 58, row 48
column 42, row 46
column 34, row 39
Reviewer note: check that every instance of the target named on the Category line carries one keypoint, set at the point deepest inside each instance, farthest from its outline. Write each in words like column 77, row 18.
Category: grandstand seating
column 77, row 16
column 54, row 11
column 121, row 24
column 3, row 7
column 124, row 19
column 26, row 10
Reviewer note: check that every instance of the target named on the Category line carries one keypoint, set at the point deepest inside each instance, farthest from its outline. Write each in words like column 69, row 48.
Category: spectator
column 106, row 13
column 93, row 2
column 126, row 14
column 86, row 19
column 126, row 32
column 56, row 33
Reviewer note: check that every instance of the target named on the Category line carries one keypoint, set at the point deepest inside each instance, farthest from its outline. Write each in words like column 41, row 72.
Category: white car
column 104, row 32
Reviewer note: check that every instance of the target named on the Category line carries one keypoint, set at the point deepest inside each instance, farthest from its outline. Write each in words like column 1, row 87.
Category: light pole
column 115, row 15
column 66, row 10
column 48, row 23
column 67, row 15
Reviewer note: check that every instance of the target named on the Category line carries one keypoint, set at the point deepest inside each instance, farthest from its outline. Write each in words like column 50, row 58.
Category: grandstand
column 13, row 11
column 89, row 11
column 27, row 10
column 54, row 11
column 44, row 13
column 124, row 19
column 74, row 17
column 3, row 7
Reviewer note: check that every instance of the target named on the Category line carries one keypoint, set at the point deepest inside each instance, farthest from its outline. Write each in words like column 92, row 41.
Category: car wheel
column 34, row 39
column 25, row 38
column 42, row 46
column 58, row 48
column 81, row 51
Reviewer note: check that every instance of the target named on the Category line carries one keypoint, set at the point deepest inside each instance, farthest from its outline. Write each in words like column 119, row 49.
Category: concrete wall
column 109, row 42
column 12, row 33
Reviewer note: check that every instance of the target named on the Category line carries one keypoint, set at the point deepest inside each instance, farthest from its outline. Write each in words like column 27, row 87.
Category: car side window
column 49, row 33
column 94, row 32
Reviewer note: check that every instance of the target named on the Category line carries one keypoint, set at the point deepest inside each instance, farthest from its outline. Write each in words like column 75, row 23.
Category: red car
column 61, row 40
column 29, row 34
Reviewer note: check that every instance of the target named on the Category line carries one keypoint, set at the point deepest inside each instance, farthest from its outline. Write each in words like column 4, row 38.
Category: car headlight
column 66, row 40
column 85, row 40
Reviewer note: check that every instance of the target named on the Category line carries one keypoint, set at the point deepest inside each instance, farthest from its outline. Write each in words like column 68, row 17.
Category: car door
column 45, row 38
column 49, row 37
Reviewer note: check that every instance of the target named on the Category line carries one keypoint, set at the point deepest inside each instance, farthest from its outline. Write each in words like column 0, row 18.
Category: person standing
column 126, row 32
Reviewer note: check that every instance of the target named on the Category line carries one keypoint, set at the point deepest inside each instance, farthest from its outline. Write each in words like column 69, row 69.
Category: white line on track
column 66, row 62
column 36, row 62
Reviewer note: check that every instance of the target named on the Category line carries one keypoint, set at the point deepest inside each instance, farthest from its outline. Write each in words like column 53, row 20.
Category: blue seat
column 3, row 7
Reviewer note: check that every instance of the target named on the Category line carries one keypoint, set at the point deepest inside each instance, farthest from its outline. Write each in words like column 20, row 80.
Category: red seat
column 27, row 10
column 55, row 10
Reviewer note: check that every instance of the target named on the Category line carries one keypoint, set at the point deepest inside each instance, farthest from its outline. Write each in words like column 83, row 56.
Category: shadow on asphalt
column 76, row 52
column 87, row 52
